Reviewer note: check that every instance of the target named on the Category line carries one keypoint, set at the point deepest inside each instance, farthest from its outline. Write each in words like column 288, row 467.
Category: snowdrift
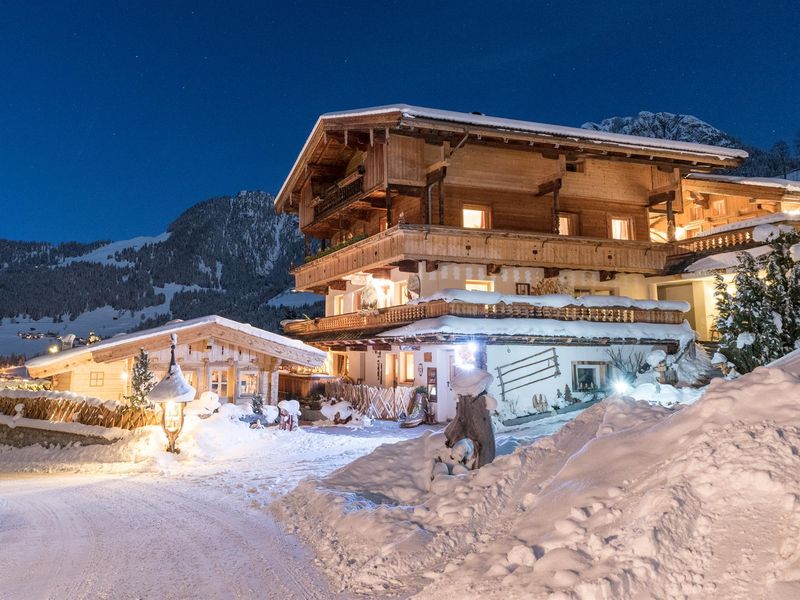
column 629, row 500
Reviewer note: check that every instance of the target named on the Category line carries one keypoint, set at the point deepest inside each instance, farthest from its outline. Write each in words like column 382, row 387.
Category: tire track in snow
column 143, row 537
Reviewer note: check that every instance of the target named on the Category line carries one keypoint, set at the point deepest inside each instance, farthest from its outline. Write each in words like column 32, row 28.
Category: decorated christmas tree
column 142, row 381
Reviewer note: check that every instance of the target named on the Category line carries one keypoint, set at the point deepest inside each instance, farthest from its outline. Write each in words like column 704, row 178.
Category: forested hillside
column 227, row 255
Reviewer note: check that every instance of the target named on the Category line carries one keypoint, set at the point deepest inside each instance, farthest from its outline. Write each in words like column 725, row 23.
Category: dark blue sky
column 115, row 118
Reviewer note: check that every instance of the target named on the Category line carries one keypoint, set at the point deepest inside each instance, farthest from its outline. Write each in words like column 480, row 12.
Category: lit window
column 697, row 213
column 383, row 224
column 248, row 384
column 338, row 304
column 621, row 229
column 219, row 383
column 409, row 358
column 477, row 285
column 97, row 379
column 719, row 207
column 475, row 217
column 563, row 226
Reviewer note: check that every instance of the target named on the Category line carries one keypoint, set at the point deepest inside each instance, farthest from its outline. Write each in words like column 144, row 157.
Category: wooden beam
column 380, row 273
column 431, row 266
column 338, row 284
column 408, row 266
column 388, row 208
column 660, row 198
column 357, row 348
column 548, row 187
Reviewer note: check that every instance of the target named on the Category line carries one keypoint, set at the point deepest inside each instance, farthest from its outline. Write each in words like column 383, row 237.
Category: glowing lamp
column 53, row 349
column 172, row 393
column 466, row 356
column 621, row 386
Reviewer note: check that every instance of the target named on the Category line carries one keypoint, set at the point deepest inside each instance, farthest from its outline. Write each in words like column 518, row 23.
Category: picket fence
column 375, row 402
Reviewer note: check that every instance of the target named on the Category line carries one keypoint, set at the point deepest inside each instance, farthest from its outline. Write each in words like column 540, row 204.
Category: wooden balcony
column 397, row 316
column 726, row 241
column 404, row 244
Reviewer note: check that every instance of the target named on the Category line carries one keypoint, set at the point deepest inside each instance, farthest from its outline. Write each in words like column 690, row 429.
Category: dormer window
column 475, row 216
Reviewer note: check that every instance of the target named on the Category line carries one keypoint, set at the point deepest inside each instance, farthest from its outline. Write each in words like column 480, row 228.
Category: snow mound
column 630, row 499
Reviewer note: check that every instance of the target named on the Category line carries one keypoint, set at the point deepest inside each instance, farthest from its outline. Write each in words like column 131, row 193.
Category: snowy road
column 120, row 537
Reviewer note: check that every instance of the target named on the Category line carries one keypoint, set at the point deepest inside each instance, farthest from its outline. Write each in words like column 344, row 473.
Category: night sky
column 114, row 119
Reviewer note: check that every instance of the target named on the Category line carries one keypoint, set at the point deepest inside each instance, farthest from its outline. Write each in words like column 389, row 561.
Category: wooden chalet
column 216, row 354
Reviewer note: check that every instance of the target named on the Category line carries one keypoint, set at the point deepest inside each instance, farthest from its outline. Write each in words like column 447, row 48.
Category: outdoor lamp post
column 172, row 392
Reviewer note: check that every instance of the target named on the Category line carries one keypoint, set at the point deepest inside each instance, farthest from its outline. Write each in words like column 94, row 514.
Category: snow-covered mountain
column 667, row 126
column 228, row 255
column 775, row 162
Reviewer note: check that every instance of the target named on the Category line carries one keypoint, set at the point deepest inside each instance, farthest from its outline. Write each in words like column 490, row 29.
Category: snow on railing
column 394, row 316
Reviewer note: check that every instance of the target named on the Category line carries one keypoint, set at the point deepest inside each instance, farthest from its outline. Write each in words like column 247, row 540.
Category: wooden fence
column 69, row 410
column 375, row 402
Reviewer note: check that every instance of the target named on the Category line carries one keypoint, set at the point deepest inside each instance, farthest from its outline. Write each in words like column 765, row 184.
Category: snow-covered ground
column 630, row 499
column 664, row 493
column 127, row 520
column 129, row 537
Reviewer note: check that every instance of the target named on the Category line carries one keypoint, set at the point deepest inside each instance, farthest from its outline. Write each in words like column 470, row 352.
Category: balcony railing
column 339, row 194
column 434, row 243
column 725, row 241
column 397, row 316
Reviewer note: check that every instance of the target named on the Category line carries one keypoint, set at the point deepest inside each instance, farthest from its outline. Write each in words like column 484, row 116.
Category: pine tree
column 766, row 307
column 142, row 381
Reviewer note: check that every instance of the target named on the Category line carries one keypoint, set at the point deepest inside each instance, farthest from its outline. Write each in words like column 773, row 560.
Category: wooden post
column 264, row 384
column 429, row 205
column 232, row 384
column 388, row 208
column 272, row 398
column 556, row 209
column 440, row 191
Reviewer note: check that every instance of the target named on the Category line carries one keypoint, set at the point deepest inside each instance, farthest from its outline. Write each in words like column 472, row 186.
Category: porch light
column 466, row 356
column 53, row 349
column 172, row 392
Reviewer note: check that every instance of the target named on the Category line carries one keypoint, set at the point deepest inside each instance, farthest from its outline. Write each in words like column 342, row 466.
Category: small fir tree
column 142, row 381
column 258, row 404
column 568, row 395
column 760, row 321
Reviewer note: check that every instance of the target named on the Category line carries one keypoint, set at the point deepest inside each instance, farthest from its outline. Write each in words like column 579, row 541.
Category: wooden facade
column 554, row 198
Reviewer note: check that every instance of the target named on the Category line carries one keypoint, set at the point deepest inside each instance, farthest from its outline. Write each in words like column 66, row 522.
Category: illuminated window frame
column 485, row 219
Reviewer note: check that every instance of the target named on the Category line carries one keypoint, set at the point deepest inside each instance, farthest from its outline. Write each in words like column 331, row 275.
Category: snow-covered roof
column 772, row 182
column 548, row 328
column 723, row 260
column 557, row 132
column 300, row 352
column 778, row 217
column 551, row 300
